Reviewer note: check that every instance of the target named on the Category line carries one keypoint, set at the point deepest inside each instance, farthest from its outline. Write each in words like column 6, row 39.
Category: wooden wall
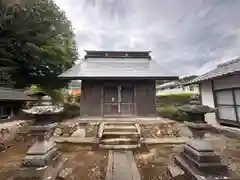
column 91, row 96
column 145, row 98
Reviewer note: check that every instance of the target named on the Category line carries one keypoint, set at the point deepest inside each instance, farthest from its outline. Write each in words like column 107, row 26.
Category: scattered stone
column 159, row 130
column 58, row 132
column 64, row 173
column 79, row 133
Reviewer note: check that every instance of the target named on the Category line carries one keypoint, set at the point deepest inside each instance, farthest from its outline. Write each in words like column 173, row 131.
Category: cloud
column 185, row 36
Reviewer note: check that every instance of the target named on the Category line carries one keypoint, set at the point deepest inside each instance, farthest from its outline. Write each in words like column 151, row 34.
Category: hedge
column 70, row 110
column 172, row 99
column 173, row 113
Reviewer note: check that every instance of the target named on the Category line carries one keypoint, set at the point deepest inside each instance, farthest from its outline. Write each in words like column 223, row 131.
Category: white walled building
column 176, row 86
column 220, row 88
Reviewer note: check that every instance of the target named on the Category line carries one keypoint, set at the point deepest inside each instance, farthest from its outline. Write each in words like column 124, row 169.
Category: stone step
column 120, row 123
column 103, row 146
column 119, row 134
column 120, row 128
column 118, row 141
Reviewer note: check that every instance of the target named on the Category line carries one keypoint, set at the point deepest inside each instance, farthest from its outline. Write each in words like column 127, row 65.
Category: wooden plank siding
column 92, row 96
column 146, row 98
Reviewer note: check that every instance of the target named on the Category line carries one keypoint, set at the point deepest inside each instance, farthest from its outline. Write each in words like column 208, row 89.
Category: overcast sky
column 185, row 36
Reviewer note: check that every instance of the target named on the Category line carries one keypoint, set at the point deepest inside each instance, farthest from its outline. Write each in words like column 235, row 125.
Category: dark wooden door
column 110, row 101
column 127, row 105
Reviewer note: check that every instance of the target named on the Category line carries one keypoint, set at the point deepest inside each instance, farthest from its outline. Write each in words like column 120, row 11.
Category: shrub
column 172, row 112
column 71, row 110
column 173, row 99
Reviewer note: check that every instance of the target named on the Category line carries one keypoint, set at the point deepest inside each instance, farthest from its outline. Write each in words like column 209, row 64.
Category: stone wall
column 159, row 130
column 8, row 132
column 76, row 129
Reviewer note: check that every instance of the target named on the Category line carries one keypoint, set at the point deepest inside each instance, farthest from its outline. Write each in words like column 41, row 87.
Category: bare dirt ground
column 11, row 158
column 85, row 164
column 152, row 163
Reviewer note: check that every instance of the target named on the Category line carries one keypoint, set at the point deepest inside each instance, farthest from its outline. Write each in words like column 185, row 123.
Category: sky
column 186, row 37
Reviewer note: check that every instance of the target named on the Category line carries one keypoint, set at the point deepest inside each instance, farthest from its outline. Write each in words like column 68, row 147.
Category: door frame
column 119, row 88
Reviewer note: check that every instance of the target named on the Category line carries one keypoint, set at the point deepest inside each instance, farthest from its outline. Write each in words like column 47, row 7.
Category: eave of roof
column 89, row 51
column 120, row 78
column 8, row 94
column 225, row 69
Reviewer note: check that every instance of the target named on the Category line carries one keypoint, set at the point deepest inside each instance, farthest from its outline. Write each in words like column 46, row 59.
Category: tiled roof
column 14, row 94
column 227, row 68
column 117, row 68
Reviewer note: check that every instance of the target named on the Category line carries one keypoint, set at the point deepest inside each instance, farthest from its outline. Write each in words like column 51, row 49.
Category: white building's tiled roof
column 227, row 68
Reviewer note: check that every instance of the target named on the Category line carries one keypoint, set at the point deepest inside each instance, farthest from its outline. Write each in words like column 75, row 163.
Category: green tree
column 37, row 41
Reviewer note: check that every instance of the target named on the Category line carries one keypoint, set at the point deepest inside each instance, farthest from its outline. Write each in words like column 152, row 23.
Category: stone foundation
column 159, row 130
column 9, row 132
column 76, row 129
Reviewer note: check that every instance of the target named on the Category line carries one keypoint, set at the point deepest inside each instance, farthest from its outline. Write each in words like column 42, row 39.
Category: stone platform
column 199, row 161
column 43, row 161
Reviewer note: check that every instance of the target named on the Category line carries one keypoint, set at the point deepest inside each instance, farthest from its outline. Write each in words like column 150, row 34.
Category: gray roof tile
column 116, row 67
column 14, row 94
column 227, row 68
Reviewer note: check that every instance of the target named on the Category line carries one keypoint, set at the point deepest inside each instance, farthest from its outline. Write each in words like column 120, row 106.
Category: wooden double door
column 118, row 100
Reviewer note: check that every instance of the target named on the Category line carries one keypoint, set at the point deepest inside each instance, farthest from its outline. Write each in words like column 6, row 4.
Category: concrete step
column 120, row 141
column 114, row 134
column 120, row 128
column 103, row 146
column 120, row 123
column 120, row 133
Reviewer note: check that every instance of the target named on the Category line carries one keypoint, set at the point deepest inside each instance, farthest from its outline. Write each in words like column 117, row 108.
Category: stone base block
column 206, row 167
column 201, row 157
column 42, row 173
column 191, row 172
column 41, row 160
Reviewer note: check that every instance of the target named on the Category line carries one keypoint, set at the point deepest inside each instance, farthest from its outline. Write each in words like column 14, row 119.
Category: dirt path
column 121, row 165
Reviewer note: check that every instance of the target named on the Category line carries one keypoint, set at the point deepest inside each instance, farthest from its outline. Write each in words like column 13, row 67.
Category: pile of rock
column 8, row 131
column 159, row 130
column 67, row 130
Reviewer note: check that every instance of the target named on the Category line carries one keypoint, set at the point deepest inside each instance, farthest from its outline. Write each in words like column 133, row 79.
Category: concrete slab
column 176, row 140
column 121, row 165
column 75, row 140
